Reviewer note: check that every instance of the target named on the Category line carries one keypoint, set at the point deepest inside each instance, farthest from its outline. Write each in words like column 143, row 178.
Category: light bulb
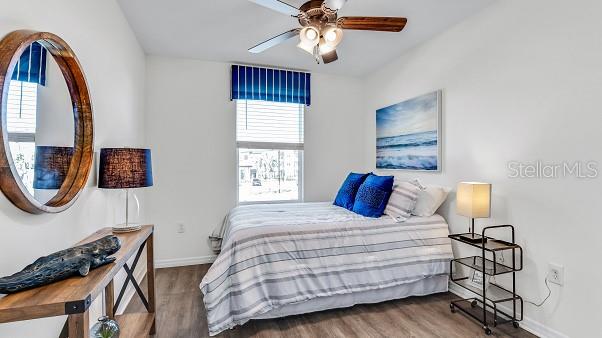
column 330, row 36
column 311, row 34
column 325, row 48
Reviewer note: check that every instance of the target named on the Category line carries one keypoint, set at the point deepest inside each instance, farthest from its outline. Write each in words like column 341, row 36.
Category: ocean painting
column 407, row 134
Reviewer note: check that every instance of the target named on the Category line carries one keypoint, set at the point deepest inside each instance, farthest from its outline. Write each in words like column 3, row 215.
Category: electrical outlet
column 181, row 228
column 556, row 273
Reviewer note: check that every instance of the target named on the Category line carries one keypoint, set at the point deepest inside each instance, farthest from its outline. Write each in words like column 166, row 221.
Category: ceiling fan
column 321, row 29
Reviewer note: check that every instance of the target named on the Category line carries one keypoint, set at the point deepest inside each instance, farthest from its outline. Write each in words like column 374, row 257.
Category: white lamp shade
column 307, row 48
column 474, row 199
column 332, row 35
column 309, row 36
column 324, row 47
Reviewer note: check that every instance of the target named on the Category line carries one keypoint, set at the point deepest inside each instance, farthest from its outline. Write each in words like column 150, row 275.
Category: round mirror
column 46, row 122
column 39, row 123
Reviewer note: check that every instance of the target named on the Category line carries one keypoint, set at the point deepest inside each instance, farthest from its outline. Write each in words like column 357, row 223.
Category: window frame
column 299, row 147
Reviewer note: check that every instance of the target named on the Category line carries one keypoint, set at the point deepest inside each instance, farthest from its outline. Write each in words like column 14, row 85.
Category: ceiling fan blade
column 335, row 5
column 330, row 56
column 366, row 23
column 278, row 39
column 278, row 6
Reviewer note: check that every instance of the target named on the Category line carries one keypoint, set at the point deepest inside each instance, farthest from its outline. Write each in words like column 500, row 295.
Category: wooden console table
column 73, row 296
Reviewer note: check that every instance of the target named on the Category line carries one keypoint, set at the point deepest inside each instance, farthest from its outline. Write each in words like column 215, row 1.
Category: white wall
column 54, row 120
column 114, row 65
column 334, row 135
column 190, row 124
column 522, row 82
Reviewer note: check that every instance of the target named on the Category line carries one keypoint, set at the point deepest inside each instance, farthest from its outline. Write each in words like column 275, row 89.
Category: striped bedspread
column 274, row 255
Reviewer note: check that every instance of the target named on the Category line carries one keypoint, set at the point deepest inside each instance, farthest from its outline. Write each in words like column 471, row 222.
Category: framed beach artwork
column 408, row 134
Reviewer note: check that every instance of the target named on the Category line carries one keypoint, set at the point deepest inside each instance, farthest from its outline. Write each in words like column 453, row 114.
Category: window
column 21, row 126
column 269, row 137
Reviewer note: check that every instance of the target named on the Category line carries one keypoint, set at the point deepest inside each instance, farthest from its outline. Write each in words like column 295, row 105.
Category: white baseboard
column 170, row 263
column 528, row 324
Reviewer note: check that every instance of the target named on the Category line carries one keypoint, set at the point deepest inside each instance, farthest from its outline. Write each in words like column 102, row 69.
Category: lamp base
column 130, row 227
column 473, row 238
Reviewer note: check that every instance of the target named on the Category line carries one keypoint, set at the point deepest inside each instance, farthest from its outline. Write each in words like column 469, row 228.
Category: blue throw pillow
column 346, row 195
column 372, row 197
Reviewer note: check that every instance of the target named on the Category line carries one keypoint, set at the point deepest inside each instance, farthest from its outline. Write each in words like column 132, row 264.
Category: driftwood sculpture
column 78, row 260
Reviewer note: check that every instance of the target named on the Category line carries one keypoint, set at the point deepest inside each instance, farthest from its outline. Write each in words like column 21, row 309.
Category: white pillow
column 430, row 198
column 402, row 201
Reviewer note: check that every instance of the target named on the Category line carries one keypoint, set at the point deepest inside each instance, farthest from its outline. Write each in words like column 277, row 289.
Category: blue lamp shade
column 125, row 168
column 51, row 166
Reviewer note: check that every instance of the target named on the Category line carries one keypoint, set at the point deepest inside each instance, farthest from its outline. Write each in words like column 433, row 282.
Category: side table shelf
column 73, row 296
column 484, row 306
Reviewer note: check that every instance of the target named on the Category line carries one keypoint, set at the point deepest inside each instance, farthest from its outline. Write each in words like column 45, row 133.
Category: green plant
column 106, row 332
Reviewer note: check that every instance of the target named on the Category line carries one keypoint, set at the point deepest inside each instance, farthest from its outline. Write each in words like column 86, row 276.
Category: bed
column 284, row 259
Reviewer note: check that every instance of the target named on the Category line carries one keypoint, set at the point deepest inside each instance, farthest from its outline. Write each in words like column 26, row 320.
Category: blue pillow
column 373, row 195
column 346, row 194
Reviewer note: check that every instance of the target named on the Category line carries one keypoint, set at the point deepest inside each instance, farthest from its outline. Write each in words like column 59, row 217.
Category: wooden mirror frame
column 11, row 48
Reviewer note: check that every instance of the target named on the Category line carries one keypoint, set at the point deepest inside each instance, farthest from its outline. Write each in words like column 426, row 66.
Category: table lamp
column 51, row 166
column 474, row 201
column 125, row 168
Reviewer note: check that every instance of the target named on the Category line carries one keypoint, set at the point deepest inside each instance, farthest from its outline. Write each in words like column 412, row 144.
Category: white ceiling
column 223, row 30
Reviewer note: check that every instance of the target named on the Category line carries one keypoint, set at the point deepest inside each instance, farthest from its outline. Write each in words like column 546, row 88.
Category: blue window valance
column 268, row 84
column 31, row 67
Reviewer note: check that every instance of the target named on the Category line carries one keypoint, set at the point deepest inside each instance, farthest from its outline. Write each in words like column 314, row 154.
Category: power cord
column 545, row 280
column 545, row 299
column 533, row 303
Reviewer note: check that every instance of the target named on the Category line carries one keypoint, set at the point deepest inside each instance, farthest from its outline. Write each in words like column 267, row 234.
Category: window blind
column 267, row 84
column 31, row 67
column 21, row 110
column 269, row 122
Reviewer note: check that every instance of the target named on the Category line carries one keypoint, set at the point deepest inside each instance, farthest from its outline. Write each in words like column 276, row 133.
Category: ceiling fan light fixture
column 310, row 36
column 321, row 28
column 332, row 35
